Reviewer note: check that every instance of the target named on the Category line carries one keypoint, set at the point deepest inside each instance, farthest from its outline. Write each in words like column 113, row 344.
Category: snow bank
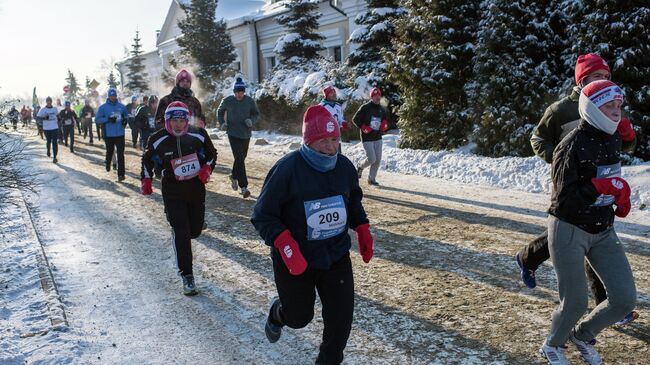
column 529, row 174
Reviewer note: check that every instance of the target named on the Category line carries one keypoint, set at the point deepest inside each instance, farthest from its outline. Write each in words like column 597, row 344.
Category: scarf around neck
column 318, row 161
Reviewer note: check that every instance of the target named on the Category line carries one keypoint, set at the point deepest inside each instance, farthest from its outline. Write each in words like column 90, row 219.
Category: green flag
column 34, row 98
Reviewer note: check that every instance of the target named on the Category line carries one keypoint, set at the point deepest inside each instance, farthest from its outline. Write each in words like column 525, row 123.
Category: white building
column 254, row 32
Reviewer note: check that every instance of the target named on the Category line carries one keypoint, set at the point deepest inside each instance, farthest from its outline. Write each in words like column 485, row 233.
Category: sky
column 42, row 39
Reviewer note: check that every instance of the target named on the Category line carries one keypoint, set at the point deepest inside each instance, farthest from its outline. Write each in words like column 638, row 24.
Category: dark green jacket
column 558, row 120
column 235, row 113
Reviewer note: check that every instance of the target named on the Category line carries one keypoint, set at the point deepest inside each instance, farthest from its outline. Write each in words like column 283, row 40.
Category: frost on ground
column 442, row 287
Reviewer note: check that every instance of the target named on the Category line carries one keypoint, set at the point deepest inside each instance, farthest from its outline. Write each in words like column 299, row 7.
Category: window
column 236, row 65
column 336, row 53
column 270, row 62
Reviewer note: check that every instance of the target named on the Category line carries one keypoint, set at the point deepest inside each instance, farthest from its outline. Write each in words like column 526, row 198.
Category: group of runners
column 311, row 198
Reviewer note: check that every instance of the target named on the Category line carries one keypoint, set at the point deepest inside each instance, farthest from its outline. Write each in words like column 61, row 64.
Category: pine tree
column 205, row 41
column 73, row 86
column 374, row 40
column 618, row 31
column 434, row 49
column 518, row 72
column 112, row 81
column 302, row 42
column 136, row 75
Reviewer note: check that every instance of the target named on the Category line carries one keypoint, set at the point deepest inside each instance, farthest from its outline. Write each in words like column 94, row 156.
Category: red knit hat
column 183, row 75
column 587, row 64
column 375, row 91
column 318, row 123
column 328, row 90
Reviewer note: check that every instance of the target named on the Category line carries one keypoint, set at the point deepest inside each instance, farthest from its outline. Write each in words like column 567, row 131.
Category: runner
column 87, row 114
column 68, row 119
column 113, row 115
column 335, row 108
column 181, row 92
column 48, row 117
column 188, row 157
column 237, row 114
column 371, row 121
column 309, row 200
column 586, row 173
column 144, row 119
column 131, row 108
column 559, row 119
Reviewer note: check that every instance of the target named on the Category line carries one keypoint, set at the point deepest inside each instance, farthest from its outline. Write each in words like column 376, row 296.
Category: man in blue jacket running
column 114, row 116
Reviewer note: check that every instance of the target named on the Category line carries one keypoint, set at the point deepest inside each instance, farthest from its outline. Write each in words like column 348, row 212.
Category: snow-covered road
column 442, row 288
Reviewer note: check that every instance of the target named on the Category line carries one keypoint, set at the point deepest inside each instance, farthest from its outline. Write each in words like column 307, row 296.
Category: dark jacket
column 178, row 94
column 144, row 119
column 585, row 153
column 165, row 147
column 65, row 115
column 87, row 110
column 235, row 112
column 292, row 190
column 370, row 114
column 558, row 120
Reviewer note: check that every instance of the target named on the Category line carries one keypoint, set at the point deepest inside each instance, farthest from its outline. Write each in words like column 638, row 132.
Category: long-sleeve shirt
column 235, row 112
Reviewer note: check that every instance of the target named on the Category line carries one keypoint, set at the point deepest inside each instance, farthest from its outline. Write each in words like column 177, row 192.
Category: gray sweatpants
column 568, row 246
column 373, row 158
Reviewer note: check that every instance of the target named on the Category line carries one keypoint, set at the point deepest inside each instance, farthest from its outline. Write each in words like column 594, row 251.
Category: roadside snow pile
column 529, row 174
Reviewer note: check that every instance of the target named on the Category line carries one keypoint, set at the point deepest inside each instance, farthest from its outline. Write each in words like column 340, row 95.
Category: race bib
column 375, row 123
column 607, row 171
column 87, row 115
column 326, row 217
column 152, row 122
column 68, row 121
column 186, row 167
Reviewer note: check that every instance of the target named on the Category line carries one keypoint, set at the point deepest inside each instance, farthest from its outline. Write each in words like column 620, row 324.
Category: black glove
column 112, row 119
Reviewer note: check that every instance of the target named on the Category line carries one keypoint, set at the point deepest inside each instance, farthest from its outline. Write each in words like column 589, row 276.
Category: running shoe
column 631, row 317
column 587, row 350
column 527, row 276
column 554, row 355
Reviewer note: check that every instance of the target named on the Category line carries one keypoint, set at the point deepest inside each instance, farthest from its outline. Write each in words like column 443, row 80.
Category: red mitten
column 626, row 130
column 345, row 126
column 623, row 210
column 614, row 186
column 204, row 173
column 384, row 125
column 145, row 186
column 290, row 252
column 366, row 129
column 365, row 242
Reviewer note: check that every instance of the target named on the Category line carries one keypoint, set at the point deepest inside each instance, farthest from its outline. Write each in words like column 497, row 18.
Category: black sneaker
column 54, row 160
column 121, row 178
column 359, row 172
column 272, row 329
column 233, row 183
column 48, row 153
column 188, row 285
column 107, row 165
column 245, row 193
column 373, row 182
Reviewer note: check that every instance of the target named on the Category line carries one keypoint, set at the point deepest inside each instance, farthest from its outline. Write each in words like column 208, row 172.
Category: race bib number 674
column 326, row 217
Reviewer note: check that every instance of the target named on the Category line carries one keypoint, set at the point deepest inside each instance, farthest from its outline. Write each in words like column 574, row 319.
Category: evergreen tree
column 112, row 81
column 618, row 31
column 136, row 75
column 205, row 41
column 88, row 90
column 374, row 40
column 74, row 89
column 302, row 42
column 518, row 72
column 434, row 49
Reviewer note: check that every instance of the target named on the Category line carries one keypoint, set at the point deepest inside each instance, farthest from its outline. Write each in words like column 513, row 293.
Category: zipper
column 178, row 144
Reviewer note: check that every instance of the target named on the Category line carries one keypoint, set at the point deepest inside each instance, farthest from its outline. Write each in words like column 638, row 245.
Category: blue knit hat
column 239, row 85
column 112, row 92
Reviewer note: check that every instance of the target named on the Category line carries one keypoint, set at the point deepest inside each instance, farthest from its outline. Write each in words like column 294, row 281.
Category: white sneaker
column 587, row 350
column 554, row 355
column 245, row 192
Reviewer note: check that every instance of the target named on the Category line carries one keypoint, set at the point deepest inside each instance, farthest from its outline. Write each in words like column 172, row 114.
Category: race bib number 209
column 326, row 217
